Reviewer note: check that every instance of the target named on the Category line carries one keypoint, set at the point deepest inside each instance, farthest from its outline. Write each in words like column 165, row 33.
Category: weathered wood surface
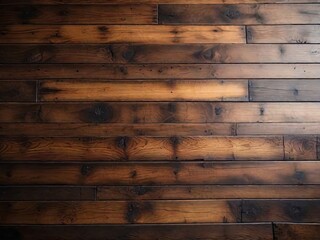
column 18, row 91
column 161, row 34
column 143, row 232
column 161, row 173
column 301, row 231
column 155, row 53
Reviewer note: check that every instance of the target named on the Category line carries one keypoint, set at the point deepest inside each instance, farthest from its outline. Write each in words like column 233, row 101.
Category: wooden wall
column 160, row 119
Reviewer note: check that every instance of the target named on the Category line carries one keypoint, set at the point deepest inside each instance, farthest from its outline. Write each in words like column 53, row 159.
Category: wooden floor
column 160, row 119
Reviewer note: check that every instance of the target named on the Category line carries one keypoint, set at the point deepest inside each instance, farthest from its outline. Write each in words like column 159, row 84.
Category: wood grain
column 284, row 34
column 164, row 112
column 240, row 14
column 161, row 173
column 155, row 53
column 169, row 90
column 300, row 147
column 280, row 211
column 18, row 91
column 301, row 90
column 208, row 192
column 52, row 193
column 158, row 71
column 143, row 232
column 302, row 231
column 277, row 128
column 114, row 130
column 141, row 148
column 160, row 34
column 120, row 212
column 79, row 14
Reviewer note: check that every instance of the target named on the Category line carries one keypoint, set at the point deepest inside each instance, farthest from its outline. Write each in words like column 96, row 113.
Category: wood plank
column 161, row 173
column 17, row 91
column 168, row 90
column 141, row 148
column 114, row 130
column 155, row 34
column 143, row 232
column 54, row 2
column 277, row 128
column 284, row 34
column 284, row 90
column 158, row 71
column 120, row 212
column 300, row 147
column 155, row 53
column 79, row 14
column 164, row 112
column 242, row 14
column 285, row 231
column 281, row 211
column 208, row 192
column 48, row 193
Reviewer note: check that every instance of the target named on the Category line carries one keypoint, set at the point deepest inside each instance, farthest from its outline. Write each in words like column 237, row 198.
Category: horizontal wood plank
column 240, row 14
column 48, row 193
column 143, row 232
column 174, row 112
column 159, row 34
column 142, row 148
column 79, row 14
column 160, row 173
column 114, row 130
column 278, row 128
column 168, row 90
column 18, row 91
column 120, row 212
column 155, row 53
column 281, row 211
column 284, row 90
column 285, row 231
column 158, row 71
column 208, row 192
column 284, row 34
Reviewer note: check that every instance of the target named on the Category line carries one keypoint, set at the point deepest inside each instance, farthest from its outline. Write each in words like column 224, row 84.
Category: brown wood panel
column 164, row 112
column 18, row 91
column 155, row 53
column 114, row 130
column 54, row 2
column 141, row 148
column 208, row 192
column 161, row 34
column 300, row 147
column 120, row 212
column 48, row 193
column 158, row 71
column 277, row 128
column 143, row 232
column 79, row 14
column 284, row 90
column 281, row 211
column 286, row 231
column 284, row 34
column 240, row 14
column 168, row 90
column 161, row 173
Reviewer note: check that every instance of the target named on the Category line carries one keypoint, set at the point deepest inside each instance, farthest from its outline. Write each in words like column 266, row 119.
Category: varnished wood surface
column 158, row 119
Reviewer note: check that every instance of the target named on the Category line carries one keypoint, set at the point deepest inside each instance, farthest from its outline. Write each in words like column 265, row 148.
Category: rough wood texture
column 301, row 231
column 160, row 173
column 59, row 34
column 143, row 148
column 240, row 14
column 18, row 91
column 155, row 53
column 179, row 90
column 143, row 232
